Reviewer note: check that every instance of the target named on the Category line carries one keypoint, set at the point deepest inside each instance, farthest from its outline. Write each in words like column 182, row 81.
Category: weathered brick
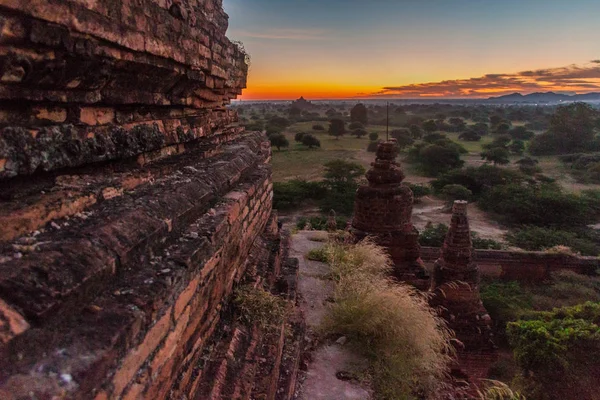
column 11, row 323
column 97, row 115
column 171, row 343
column 136, row 357
column 185, row 297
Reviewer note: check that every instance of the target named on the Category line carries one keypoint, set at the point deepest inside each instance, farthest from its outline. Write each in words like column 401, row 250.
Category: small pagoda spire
column 383, row 211
column 455, row 285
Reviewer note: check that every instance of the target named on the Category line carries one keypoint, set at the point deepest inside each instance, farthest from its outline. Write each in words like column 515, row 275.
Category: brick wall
column 525, row 266
column 131, row 201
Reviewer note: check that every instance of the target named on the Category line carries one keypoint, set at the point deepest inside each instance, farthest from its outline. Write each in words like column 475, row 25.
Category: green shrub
column 557, row 351
column 537, row 238
column 373, row 136
column 505, row 302
column 478, row 180
column 291, row 194
column 451, row 193
column 319, row 223
column 485, row 244
column 317, row 254
column 318, row 127
column 310, row 141
column 433, row 235
column 435, row 159
column 541, row 205
column 419, row 191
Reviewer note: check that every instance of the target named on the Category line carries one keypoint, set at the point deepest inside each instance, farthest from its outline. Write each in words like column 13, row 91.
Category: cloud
column 285, row 34
column 575, row 78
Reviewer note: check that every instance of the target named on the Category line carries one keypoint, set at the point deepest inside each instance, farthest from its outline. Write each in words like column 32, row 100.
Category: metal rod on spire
column 387, row 122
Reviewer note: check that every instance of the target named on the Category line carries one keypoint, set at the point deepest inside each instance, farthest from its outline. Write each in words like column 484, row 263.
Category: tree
column 340, row 180
column 331, row 113
column 359, row 114
column 373, row 136
column 295, row 112
column 572, row 129
column 496, row 155
column 469, row 136
column 430, row 126
column 402, row 138
column 337, row 128
column 458, row 124
column 495, row 120
column 436, row 159
column 298, row 137
column 279, row 140
column 453, row 192
column 339, row 174
column 503, row 128
column 318, row 127
column 359, row 133
column 528, row 165
column 310, row 141
column 500, row 141
column 517, row 147
column 416, row 131
column 521, row 133
column 481, row 128
column 356, row 125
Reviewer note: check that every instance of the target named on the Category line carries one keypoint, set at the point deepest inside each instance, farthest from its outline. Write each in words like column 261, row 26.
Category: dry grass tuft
column 496, row 390
column 406, row 342
column 319, row 236
column 258, row 306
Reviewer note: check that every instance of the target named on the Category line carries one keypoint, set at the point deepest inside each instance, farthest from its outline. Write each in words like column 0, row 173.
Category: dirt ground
column 429, row 209
column 433, row 210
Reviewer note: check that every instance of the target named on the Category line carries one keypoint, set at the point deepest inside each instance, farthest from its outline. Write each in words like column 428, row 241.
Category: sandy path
column 432, row 210
column 320, row 381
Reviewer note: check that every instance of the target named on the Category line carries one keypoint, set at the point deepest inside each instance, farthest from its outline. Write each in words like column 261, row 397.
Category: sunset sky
column 324, row 49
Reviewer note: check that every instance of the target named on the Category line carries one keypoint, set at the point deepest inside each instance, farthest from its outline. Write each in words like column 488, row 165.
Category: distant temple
column 303, row 104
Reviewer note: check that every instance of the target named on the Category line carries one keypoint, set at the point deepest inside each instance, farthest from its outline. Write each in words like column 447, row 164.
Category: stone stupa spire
column 383, row 211
column 455, row 286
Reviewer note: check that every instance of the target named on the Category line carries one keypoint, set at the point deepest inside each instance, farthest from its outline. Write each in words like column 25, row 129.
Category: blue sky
column 362, row 45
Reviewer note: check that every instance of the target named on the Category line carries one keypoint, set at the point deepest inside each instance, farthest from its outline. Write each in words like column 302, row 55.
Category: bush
column 298, row 137
column 434, row 235
column 436, row 159
column 451, row 193
column 359, row 133
column 496, row 155
column 318, row 127
column 419, row 190
column 557, row 351
column 505, row 302
column 538, row 238
column 356, row 125
column 470, row 136
column 372, row 147
column 373, row 136
column 541, row 205
column 319, row 223
column 407, row 344
column 317, row 254
column 279, row 140
column 291, row 194
column 310, row 141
